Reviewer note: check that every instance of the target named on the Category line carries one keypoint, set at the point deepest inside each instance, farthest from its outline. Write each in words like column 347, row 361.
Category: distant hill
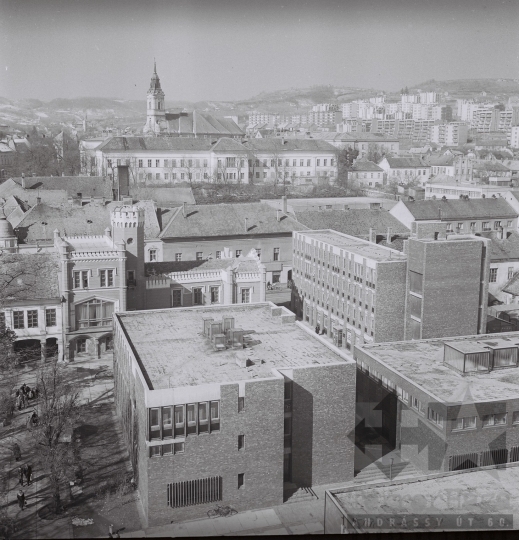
column 463, row 87
column 27, row 112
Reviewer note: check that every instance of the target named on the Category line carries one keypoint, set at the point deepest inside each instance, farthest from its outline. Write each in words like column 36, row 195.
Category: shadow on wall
column 302, row 436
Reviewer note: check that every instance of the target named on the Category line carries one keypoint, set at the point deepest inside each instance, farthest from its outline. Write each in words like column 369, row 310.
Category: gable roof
column 406, row 163
column 366, row 165
column 355, row 222
column 140, row 144
column 210, row 220
column 292, row 144
column 161, row 268
column 451, row 209
column 505, row 249
column 490, row 166
column 88, row 186
column 200, row 123
column 36, row 276
column 164, row 196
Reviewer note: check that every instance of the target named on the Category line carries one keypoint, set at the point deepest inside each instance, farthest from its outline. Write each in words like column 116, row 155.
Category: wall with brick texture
column 390, row 301
column 323, row 415
column 217, row 454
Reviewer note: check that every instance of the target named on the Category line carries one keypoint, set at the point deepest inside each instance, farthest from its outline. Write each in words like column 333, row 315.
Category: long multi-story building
column 452, row 134
column 222, row 405
column 357, row 291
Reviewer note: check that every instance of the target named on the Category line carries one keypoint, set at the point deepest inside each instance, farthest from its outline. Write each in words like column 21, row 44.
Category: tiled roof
column 161, row 268
column 405, row 163
column 435, row 161
column 512, row 287
column 210, row 220
column 488, row 208
column 163, row 196
column 141, row 144
column 355, row 222
column 490, row 166
column 88, row 186
column 277, row 145
column 203, row 123
column 11, row 188
column 225, row 144
column 506, row 249
column 366, row 165
column 73, row 220
column 36, row 276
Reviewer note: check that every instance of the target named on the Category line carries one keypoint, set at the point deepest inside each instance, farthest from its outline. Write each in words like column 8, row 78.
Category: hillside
column 471, row 87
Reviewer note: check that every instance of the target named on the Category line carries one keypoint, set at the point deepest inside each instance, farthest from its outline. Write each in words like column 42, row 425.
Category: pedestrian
column 17, row 452
column 21, row 473
column 19, row 402
column 28, row 474
column 110, row 531
column 21, row 499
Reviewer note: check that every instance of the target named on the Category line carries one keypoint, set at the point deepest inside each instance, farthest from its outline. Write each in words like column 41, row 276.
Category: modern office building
column 222, row 405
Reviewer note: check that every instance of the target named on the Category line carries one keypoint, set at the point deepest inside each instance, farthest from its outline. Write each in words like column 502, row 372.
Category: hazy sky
column 234, row 49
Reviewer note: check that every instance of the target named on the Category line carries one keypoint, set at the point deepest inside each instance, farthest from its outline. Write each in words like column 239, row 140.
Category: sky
column 235, row 49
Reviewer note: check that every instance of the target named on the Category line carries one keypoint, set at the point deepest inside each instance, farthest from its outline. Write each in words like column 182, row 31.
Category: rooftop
column 366, row 165
column 405, row 163
column 209, row 220
column 88, row 186
column 421, row 362
column 356, row 245
column 173, row 351
column 506, row 249
column 289, row 145
column 242, row 264
column 488, row 208
column 356, row 221
column 164, row 196
column 487, row 493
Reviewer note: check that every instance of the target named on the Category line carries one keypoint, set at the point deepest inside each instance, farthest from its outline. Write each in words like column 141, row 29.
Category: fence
column 191, row 492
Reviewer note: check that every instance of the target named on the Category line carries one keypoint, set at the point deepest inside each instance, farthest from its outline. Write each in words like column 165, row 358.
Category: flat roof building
column 227, row 403
column 458, row 396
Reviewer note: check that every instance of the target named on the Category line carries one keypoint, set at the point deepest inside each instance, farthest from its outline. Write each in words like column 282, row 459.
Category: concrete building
column 504, row 268
column 451, row 134
column 457, row 396
column 356, row 291
column 513, row 138
column 222, row 405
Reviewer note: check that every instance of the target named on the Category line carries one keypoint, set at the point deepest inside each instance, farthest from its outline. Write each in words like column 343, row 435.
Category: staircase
column 295, row 494
column 377, row 472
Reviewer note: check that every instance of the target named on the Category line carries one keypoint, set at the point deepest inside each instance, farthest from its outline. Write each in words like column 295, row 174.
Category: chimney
column 23, row 181
column 389, row 234
column 278, row 211
column 372, row 235
column 184, row 213
column 38, row 200
column 285, row 205
column 108, row 232
column 246, row 225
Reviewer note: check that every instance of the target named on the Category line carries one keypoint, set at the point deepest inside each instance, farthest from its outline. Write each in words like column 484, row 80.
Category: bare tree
column 59, row 412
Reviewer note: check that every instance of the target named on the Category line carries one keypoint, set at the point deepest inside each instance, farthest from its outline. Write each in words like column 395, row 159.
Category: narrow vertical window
column 179, row 421
column 191, row 419
column 167, row 423
column 241, row 404
column 203, row 419
column 154, row 424
column 241, row 480
column 241, row 442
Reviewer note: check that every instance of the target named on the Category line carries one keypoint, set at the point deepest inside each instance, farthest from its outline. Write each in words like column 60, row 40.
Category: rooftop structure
column 275, row 341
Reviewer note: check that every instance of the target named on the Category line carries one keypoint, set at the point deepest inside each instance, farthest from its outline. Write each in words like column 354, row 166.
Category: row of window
column 488, row 420
column 485, row 225
column 28, row 318
column 198, row 296
column 492, row 278
column 183, row 420
column 81, row 278
column 175, row 448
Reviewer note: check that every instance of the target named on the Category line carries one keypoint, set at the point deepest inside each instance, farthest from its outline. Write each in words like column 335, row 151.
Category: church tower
column 156, row 113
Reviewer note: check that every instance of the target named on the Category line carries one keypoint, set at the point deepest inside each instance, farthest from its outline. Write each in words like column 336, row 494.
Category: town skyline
column 267, row 46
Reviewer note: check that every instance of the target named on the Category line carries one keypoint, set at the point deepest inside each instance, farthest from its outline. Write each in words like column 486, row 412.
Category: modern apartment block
column 356, row 291
column 452, row 134
column 222, row 405
column 451, row 403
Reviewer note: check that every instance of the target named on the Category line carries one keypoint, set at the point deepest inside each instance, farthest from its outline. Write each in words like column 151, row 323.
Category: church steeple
column 155, row 98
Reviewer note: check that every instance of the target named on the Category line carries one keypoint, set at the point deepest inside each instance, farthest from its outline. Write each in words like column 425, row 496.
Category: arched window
column 94, row 313
column 158, row 105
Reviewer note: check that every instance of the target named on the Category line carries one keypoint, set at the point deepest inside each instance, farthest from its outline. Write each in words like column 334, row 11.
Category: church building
column 183, row 124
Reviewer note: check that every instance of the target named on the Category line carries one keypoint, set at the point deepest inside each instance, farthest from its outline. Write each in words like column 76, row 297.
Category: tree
column 59, row 412
column 345, row 158
column 375, row 153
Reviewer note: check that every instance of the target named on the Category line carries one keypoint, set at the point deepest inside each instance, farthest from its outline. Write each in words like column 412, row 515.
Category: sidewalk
column 290, row 518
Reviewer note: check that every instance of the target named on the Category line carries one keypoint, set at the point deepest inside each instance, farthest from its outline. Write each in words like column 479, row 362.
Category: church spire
column 155, row 81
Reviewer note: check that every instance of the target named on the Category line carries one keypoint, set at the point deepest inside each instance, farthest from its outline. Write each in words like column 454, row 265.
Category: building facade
column 245, row 385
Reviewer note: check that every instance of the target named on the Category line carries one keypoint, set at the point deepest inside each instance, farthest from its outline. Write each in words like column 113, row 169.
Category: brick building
column 355, row 291
column 449, row 403
column 228, row 403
